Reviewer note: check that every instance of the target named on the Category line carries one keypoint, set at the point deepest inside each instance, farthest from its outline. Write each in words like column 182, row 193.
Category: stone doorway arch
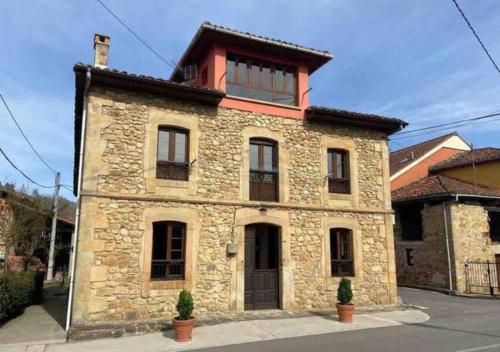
column 280, row 219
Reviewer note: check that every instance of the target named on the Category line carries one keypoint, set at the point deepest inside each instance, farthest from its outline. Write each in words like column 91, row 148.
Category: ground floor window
column 341, row 252
column 169, row 250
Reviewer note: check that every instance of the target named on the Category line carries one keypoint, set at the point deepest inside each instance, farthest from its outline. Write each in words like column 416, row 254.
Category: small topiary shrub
column 184, row 305
column 344, row 292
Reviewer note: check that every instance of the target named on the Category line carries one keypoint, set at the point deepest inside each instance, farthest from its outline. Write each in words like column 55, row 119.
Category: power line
column 24, row 135
column 22, row 173
column 444, row 129
column 477, row 36
column 174, row 67
column 448, row 123
column 68, row 188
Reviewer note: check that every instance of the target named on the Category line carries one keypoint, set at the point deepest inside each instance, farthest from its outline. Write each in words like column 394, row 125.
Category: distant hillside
column 67, row 208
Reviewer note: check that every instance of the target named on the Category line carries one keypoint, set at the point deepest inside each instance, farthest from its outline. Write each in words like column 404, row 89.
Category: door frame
column 279, row 261
column 279, row 218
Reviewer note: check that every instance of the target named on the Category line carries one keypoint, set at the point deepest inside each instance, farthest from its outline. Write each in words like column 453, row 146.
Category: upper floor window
column 169, row 250
column 341, row 252
column 494, row 222
column 263, row 170
column 338, row 171
column 173, row 154
column 261, row 80
column 410, row 220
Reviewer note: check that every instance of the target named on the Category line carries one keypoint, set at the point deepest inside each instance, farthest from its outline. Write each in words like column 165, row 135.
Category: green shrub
column 8, row 306
column 19, row 290
column 344, row 292
column 185, row 305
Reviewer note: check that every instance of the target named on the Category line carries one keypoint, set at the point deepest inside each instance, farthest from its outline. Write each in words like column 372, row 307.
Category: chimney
column 101, row 48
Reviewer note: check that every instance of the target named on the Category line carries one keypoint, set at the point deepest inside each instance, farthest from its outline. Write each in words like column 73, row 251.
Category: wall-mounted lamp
column 263, row 211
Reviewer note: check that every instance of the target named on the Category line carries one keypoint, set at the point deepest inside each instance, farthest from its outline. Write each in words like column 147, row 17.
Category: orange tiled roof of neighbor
column 477, row 156
column 440, row 185
column 403, row 157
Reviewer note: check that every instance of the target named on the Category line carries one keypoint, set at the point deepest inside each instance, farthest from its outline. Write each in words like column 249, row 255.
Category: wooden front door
column 261, row 267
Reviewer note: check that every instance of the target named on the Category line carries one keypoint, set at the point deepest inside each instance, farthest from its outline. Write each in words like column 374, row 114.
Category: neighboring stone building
column 412, row 163
column 223, row 180
column 19, row 213
column 448, row 225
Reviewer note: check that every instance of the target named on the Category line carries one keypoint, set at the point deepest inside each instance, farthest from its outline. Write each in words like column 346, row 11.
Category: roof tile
column 480, row 155
column 401, row 158
column 440, row 185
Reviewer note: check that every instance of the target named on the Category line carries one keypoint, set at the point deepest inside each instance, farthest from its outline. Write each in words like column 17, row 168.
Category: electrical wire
column 68, row 188
column 24, row 135
column 476, row 35
column 466, row 124
column 174, row 67
column 448, row 123
column 22, row 172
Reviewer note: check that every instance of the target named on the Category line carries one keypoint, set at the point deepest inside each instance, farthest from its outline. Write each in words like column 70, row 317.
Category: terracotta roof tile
column 327, row 114
column 207, row 31
column 150, row 79
column 209, row 25
column 403, row 157
column 440, row 185
column 477, row 156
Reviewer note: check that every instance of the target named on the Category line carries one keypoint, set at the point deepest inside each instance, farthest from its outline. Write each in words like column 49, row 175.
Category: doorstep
column 274, row 326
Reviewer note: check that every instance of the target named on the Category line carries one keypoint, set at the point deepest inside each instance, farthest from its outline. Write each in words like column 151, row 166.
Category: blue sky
column 415, row 60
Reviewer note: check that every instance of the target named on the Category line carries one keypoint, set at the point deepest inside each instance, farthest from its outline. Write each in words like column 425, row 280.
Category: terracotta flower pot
column 345, row 312
column 183, row 329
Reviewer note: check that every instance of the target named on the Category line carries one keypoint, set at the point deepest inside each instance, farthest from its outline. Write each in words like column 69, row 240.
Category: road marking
column 482, row 348
column 420, row 307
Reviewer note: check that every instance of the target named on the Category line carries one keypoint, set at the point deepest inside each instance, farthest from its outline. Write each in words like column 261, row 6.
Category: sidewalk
column 238, row 332
column 38, row 325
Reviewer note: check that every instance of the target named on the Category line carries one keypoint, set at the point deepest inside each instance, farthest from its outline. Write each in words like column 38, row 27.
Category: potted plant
column 183, row 324
column 345, row 309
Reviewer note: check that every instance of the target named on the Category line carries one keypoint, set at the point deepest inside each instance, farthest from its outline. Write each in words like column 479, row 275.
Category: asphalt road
column 456, row 324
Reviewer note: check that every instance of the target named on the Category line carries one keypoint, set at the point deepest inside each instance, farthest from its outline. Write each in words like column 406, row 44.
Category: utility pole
column 50, row 269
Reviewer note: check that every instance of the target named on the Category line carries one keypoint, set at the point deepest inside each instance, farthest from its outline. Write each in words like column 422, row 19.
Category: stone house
column 11, row 202
column 448, row 225
column 224, row 180
column 412, row 163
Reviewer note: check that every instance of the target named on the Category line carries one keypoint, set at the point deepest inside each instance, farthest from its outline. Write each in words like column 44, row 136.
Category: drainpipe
column 448, row 252
column 78, row 203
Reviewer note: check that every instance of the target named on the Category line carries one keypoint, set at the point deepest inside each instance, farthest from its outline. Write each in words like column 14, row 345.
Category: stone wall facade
column 471, row 239
column 428, row 256
column 468, row 234
column 121, row 198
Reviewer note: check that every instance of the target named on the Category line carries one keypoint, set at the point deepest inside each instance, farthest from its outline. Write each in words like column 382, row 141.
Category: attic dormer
column 256, row 73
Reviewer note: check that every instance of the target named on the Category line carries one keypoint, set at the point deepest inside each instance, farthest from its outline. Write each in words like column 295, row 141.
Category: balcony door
column 263, row 170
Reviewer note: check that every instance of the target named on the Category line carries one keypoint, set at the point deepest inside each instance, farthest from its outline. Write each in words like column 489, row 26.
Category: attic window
column 261, row 80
